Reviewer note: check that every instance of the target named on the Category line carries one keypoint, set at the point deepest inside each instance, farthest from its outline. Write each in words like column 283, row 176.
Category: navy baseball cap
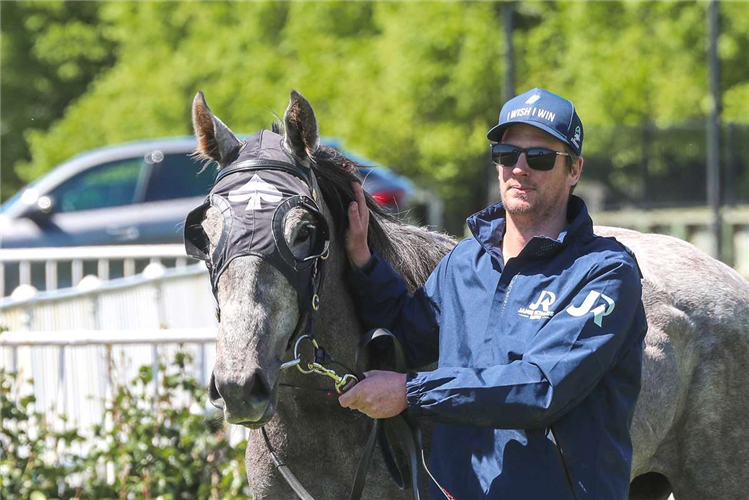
column 545, row 110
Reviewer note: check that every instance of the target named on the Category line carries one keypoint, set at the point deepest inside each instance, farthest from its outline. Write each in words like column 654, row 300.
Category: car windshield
column 109, row 185
column 176, row 176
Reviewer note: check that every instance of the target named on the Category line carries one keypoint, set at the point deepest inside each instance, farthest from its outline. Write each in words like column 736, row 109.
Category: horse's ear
column 301, row 137
column 215, row 140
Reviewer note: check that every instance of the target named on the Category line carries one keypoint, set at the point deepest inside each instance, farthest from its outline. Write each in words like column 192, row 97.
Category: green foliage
column 51, row 51
column 156, row 447
column 413, row 85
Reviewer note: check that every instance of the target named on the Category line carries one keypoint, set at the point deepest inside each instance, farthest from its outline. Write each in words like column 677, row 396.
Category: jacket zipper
column 507, row 296
column 563, row 461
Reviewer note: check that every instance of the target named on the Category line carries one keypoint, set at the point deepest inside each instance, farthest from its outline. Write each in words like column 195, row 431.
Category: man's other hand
column 380, row 395
column 358, row 225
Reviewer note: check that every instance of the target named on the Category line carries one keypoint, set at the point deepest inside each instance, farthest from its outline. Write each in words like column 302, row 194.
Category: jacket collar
column 488, row 227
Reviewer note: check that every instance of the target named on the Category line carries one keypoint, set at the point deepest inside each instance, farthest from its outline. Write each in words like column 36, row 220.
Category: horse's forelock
column 336, row 173
column 205, row 160
column 412, row 251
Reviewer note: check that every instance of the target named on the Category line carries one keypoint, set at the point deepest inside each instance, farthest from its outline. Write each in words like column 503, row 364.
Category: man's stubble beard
column 543, row 209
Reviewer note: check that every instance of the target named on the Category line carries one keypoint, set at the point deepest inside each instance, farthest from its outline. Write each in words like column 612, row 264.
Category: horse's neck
column 414, row 251
column 337, row 325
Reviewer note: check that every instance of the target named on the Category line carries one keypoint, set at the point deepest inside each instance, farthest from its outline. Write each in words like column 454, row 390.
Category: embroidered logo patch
column 576, row 138
column 541, row 308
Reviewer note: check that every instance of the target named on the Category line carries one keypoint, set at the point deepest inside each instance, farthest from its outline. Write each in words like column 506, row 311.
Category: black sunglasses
column 507, row 155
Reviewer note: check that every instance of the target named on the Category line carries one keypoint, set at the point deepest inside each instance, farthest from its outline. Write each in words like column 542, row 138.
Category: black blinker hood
column 254, row 194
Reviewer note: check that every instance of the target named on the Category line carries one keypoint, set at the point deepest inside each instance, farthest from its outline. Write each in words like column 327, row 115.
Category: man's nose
column 521, row 166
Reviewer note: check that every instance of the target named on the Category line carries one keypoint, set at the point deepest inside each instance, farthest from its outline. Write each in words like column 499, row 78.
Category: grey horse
column 688, row 432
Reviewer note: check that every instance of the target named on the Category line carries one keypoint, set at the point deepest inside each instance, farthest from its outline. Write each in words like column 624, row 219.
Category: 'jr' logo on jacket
column 599, row 312
column 544, row 301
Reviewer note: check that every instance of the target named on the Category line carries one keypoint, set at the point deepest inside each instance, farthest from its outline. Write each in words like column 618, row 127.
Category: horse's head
column 263, row 231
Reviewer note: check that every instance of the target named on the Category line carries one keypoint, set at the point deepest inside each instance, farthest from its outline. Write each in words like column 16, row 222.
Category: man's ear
column 576, row 171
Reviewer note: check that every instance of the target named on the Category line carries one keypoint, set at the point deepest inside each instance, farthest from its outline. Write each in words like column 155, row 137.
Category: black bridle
column 264, row 174
column 253, row 196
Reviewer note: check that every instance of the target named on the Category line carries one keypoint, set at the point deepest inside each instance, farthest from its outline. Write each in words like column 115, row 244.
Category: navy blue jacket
column 552, row 338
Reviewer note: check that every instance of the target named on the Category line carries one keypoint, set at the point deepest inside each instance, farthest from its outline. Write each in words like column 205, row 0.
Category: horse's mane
column 412, row 251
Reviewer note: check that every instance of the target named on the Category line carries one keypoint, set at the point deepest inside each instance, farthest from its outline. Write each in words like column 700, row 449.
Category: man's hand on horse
column 358, row 225
column 380, row 395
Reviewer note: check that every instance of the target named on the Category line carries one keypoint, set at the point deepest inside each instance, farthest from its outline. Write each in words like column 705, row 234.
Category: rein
column 406, row 430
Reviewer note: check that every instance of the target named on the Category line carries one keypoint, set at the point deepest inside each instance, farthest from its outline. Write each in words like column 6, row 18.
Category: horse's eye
column 305, row 232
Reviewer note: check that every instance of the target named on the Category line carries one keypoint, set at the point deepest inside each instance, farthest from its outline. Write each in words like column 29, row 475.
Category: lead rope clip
column 339, row 382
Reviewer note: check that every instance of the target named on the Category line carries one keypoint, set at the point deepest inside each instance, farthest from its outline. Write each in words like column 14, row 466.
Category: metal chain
column 339, row 381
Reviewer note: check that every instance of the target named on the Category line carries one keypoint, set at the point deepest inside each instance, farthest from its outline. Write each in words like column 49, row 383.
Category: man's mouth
column 521, row 189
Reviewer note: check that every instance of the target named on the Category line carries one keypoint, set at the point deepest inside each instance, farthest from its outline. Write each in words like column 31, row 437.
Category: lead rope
column 412, row 439
column 285, row 472
column 404, row 427
column 409, row 433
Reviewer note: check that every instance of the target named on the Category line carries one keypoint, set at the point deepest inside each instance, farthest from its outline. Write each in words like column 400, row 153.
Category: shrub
column 151, row 447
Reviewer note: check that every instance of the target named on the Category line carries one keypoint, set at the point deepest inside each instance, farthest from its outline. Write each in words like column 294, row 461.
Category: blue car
column 136, row 193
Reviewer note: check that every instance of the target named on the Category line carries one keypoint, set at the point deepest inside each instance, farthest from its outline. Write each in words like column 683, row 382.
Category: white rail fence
column 53, row 268
column 74, row 373
column 67, row 341
column 159, row 298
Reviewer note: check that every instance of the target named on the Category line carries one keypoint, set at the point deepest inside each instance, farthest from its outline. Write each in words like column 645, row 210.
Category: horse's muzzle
column 246, row 400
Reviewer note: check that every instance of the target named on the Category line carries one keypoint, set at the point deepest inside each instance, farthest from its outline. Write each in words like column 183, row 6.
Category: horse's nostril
column 259, row 389
column 244, row 399
column 213, row 394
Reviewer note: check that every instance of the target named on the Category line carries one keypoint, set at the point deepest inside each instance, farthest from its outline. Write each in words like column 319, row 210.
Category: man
column 537, row 325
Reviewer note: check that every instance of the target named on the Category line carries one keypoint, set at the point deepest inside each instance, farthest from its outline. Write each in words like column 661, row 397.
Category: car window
column 109, row 185
column 176, row 176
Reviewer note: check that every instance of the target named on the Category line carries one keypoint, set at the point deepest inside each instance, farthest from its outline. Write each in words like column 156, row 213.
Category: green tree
column 413, row 85
column 50, row 53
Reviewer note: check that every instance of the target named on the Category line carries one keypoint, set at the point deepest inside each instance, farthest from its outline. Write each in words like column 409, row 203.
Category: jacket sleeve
column 566, row 359
column 382, row 301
